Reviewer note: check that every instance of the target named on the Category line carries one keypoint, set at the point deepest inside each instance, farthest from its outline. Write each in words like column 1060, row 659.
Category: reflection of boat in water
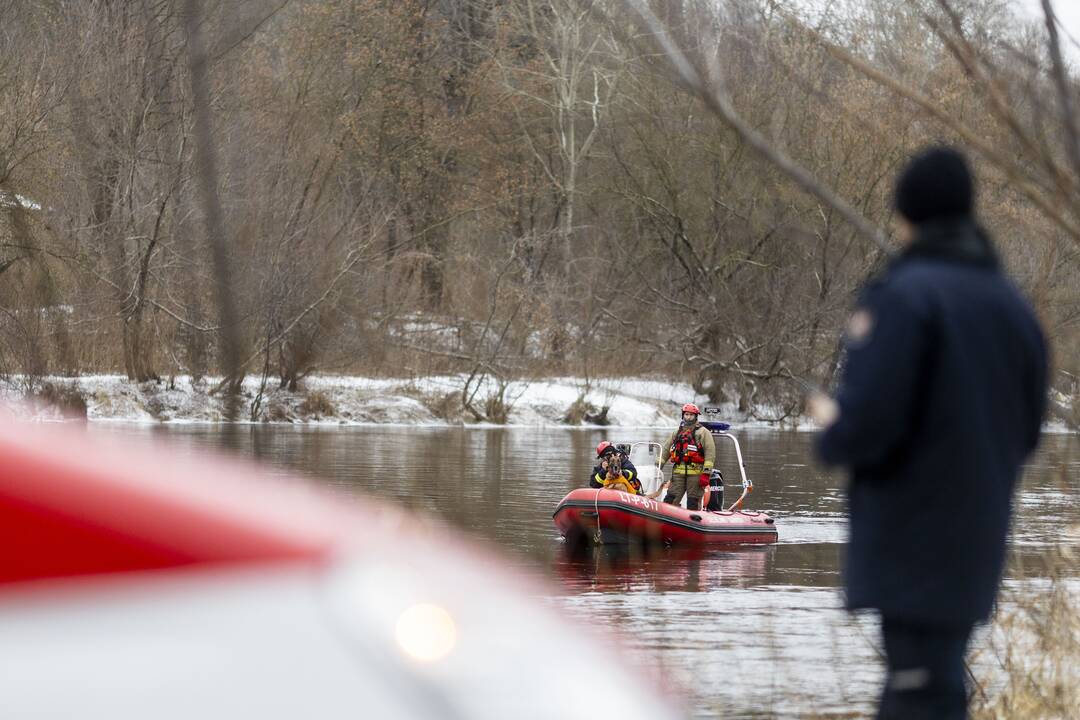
column 652, row 568
column 613, row 516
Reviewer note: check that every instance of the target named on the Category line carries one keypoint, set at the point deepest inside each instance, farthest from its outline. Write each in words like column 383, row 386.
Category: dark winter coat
column 940, row 403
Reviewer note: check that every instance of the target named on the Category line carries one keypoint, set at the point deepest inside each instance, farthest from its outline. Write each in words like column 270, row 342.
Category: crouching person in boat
column 615, row 471
column 692, row 453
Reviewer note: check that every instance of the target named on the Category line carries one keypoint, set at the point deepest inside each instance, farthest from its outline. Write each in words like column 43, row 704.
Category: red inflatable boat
column 611, row 516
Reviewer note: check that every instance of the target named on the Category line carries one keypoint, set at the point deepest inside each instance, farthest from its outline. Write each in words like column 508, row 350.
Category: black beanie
column 935, row 184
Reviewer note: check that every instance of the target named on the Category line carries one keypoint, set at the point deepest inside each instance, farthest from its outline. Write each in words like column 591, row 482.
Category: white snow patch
column 632, row 402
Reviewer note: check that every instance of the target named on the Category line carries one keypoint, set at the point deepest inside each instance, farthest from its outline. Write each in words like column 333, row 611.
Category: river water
column 753, row 632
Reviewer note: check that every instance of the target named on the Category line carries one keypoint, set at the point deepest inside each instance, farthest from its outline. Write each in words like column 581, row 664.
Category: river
column 751, row 632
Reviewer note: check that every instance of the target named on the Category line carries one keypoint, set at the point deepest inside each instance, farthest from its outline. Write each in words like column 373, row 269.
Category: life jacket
column 685, row 450
column 624, row 483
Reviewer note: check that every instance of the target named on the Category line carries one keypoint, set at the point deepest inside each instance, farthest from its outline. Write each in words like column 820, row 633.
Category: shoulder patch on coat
column 859, row 327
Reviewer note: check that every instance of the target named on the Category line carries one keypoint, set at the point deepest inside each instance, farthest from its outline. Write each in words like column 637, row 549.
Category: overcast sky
column 1068, row 12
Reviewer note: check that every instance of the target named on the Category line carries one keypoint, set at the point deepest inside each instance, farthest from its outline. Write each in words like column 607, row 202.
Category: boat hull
column 609, row 516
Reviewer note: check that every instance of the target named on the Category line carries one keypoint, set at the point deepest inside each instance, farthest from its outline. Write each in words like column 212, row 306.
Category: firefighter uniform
column 626, row 481
column 692, row 453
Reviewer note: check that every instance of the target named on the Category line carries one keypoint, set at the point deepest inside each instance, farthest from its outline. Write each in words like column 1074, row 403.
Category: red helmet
column 691, row 408
column 604, row 445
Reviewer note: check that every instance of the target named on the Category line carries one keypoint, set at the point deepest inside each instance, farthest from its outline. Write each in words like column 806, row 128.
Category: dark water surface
column 745, row 632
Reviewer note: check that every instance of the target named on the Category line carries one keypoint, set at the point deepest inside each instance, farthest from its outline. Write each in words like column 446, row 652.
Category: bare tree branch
column 715, row 97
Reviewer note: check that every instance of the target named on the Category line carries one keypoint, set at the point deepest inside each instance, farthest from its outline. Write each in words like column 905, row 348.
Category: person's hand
column 703, row 481
column 822, row 409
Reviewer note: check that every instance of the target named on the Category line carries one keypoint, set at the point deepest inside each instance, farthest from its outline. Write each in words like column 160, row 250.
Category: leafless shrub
column 446, row 406
column 68, row 399
column 581, row 410
column 277, row 410
column 316, row 404
column 497, row 404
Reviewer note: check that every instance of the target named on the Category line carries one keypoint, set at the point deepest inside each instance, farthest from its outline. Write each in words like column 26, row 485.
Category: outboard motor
column 716, row 491
column 716, row 480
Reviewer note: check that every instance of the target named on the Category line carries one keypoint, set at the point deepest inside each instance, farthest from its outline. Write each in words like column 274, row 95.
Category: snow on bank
column 631, row 402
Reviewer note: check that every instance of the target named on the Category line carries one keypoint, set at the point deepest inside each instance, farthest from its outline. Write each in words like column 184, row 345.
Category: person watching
column 940, row 402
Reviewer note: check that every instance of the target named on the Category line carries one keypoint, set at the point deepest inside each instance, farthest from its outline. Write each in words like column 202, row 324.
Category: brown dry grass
column 316, row 404
column 1028, row 668
column 1031, row 664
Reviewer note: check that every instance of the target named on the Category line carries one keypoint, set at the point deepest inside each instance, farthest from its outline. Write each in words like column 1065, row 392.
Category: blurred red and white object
column 139, row 583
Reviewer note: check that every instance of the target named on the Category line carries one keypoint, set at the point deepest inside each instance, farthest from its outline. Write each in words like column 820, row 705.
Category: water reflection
column 632, row 568
column 768, row 620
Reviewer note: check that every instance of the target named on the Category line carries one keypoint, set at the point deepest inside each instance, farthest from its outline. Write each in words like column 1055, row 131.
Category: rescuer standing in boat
column 941, row 399
column 692, row 452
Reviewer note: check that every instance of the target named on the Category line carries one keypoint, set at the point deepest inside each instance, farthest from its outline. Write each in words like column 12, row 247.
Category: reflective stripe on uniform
column 692, row 468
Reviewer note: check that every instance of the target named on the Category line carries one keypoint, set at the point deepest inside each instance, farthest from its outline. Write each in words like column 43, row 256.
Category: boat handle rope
column 598, row 537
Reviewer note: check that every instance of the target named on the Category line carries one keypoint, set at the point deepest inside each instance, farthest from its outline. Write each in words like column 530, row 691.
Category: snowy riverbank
column 341, row 400
column 629, row 402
